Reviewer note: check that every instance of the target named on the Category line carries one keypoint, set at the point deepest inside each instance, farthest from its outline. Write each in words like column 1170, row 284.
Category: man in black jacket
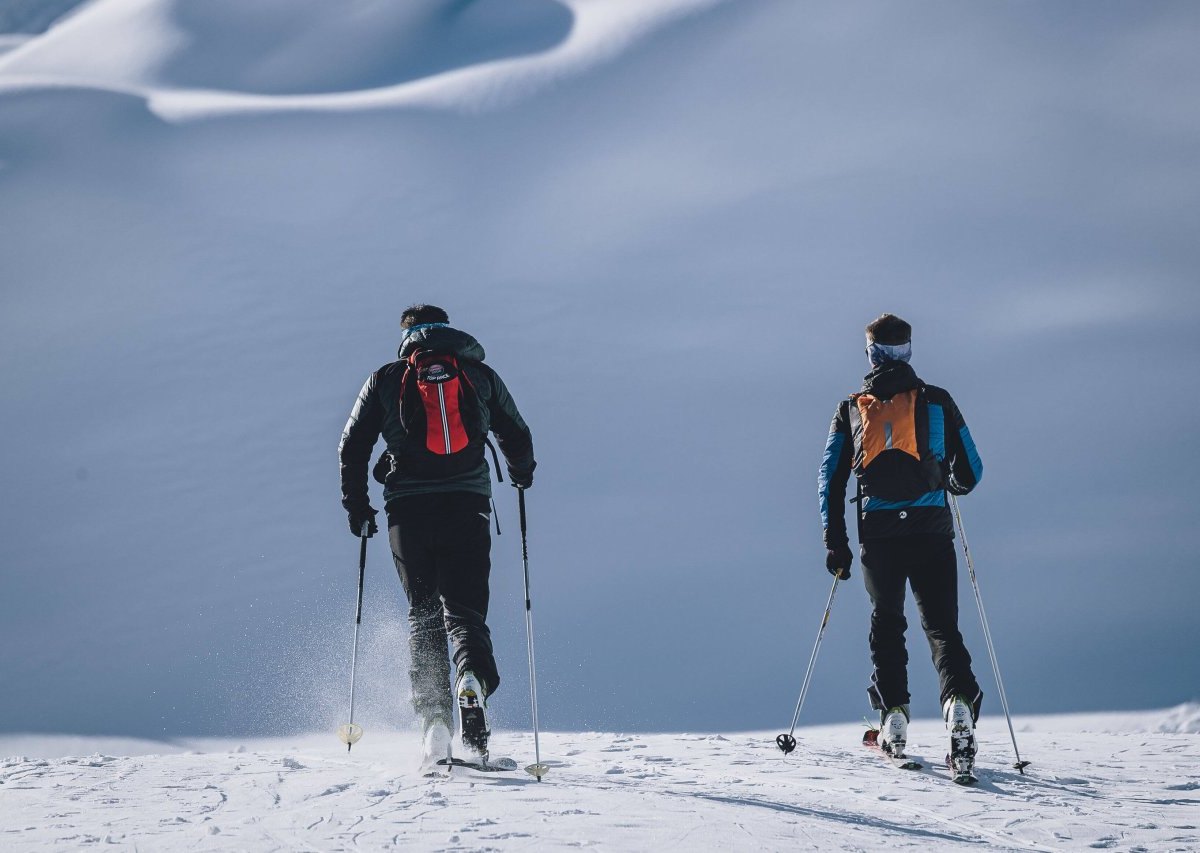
column 434, row 408
column 907, row 444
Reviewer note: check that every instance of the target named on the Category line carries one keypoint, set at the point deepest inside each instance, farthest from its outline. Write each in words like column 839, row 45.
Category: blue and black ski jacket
column 949, row 441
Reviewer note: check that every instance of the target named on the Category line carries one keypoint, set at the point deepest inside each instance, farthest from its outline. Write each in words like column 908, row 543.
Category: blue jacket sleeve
column 832, row 477
column 965, row 466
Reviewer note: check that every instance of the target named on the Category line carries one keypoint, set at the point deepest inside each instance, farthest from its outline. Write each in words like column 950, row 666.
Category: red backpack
column 440, row 411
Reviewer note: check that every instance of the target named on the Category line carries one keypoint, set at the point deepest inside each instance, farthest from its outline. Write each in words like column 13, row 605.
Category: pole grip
column 362, row 572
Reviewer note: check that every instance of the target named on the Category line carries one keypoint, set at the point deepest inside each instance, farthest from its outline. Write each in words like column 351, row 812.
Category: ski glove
column 521, row 479
column 838, row 560
column 955, row 488
column 360, row 514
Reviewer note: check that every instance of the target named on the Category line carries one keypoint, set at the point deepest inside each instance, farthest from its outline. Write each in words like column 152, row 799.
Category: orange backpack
column 892, row 456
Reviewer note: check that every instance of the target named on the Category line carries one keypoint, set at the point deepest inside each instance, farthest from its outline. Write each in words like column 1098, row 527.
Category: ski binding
column 901, row 762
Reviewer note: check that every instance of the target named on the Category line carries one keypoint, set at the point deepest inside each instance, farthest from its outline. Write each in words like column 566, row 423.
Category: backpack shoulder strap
column 854, row 419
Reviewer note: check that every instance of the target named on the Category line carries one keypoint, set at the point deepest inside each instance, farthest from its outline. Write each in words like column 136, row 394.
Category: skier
column 907, row 444
column 434, row 408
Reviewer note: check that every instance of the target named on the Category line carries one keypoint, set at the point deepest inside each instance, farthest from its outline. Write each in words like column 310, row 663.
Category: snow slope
column 655, row 215
column 229, row 56
column 1099, row 782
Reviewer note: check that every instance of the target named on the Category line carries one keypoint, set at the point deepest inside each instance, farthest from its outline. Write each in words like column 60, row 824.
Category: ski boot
column 960, row 722
column 472, row 704
column 435, row 745
column 893, row 733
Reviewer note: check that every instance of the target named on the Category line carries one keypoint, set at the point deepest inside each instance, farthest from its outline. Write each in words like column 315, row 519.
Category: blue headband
column 879, row 353
column 412, row 329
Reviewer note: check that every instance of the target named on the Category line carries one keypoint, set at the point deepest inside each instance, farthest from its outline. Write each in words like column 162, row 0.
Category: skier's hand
column 955, row 488
column 520, row 479
column 838, row 560
column 362, row 514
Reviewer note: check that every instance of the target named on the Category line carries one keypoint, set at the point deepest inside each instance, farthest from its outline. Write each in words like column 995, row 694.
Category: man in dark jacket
column 908, row 445
column 434, row 408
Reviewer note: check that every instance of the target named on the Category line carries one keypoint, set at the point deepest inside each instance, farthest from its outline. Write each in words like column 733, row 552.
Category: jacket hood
column 891, row 378
column 443, row 339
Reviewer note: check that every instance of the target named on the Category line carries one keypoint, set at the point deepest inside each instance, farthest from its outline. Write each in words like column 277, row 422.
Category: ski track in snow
column 1133, row 790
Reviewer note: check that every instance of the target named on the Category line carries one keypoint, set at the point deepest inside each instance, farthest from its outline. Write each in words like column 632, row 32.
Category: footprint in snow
column 336, row 789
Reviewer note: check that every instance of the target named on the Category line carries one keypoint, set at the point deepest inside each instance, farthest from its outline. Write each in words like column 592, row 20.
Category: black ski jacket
column 949, row 439
column 377, row 412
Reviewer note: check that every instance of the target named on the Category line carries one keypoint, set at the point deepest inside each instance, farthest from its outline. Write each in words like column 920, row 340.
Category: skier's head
column 888, row 339
column 422, row 315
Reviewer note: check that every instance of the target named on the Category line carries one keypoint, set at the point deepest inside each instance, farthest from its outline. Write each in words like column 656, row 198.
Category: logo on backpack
column 440, row 413
column 892, row 456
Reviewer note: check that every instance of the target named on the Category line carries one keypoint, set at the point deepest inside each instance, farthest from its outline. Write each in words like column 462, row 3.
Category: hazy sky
column 670, row 259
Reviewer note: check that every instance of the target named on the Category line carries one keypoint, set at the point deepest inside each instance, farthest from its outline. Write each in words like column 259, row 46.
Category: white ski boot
column 472, row 705
column 435, row 747
column 893, row 735
column 960, row 722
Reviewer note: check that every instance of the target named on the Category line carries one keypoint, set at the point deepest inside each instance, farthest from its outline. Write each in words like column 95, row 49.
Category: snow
column 211, row 212
column 1117, row 781
column 307, row 55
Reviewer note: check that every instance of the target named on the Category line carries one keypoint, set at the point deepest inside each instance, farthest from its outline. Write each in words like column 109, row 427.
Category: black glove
column 838, row 560
column 521, row 479
column 365, row 513
column 954, row 488
column 383, row 468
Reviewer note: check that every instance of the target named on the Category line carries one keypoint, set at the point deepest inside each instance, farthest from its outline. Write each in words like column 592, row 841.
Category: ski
column 499, row 765
column 900, row 762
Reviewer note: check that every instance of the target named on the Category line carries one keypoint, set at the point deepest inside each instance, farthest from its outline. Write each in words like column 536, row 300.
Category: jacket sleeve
column 832, row 477
column 512, row 433
column 964, row 465
column 358, row 440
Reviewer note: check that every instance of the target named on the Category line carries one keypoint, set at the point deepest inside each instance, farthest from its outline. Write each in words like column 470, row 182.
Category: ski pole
column 537, row 769
column 787, row 742
column 987, row 635
column 351, row 734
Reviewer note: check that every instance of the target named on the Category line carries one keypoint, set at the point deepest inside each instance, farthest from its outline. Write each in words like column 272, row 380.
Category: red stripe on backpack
column 439, row 384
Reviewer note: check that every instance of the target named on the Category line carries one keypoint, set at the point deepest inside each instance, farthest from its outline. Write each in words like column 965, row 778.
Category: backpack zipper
column 445, row 419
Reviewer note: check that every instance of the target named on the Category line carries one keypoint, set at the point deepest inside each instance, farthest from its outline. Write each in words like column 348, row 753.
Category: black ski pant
column 441, row 544
column 928, row 563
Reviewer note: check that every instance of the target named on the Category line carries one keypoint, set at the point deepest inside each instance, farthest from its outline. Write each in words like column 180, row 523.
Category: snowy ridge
column 436, row 54
column 1122, row 788
column 11, row 42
